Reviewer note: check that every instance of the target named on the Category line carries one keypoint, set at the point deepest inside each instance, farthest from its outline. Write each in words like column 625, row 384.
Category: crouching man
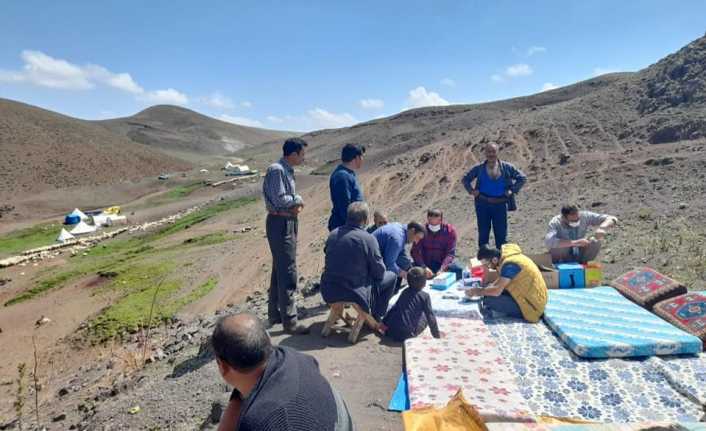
column 275, row 388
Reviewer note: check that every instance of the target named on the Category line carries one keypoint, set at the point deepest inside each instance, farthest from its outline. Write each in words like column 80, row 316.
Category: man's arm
column 450, row 253
column 495, row 289
column 418, row 254
column 518, row 179
column 431, row 318
column 376, row 265
column 552, row 240
column 468, row 179
column 341, row 195
column 276, row 191
column 390, row 254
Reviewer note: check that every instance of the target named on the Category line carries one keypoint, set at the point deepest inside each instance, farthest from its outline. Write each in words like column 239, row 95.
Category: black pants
column 282, row 238
column 491, row 215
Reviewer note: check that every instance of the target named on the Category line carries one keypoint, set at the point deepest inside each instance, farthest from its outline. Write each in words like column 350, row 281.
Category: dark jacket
column 514, row 180
column 344, row 189
column 353, row 264
column 291, row 395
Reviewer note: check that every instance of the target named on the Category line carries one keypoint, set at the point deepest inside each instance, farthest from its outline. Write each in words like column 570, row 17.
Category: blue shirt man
column 496, row 184
column 343, row 184
column 392, row 239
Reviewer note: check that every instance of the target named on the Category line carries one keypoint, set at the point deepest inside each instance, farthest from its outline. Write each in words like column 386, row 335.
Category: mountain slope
column 43, row 150
column 181, row 130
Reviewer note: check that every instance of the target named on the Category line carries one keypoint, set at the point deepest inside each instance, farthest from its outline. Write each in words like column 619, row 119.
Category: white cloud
column 420, row 97
column 44, row 70
column 514, row 71
column 323, row 119
column 549, row 86
column 275, row 119
column 518, row 70
column 372, row 104
column 597, row 71
column 536, row 50
column 246, row 104
column 448, row 82
column 218, row 101
column 169, row 96
column 243, row 121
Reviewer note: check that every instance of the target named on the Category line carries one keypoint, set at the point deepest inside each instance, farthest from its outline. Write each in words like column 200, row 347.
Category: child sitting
column 412, row 311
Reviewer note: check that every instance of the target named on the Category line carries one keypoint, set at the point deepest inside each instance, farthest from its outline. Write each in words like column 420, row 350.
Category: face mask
column 434, row 228
column 574, row 223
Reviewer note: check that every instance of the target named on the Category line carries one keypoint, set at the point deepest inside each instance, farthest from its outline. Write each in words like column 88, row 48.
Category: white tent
column 229, row 165
column 78, row 212
column 82, row 228
column 204, row 171
column 64, row 236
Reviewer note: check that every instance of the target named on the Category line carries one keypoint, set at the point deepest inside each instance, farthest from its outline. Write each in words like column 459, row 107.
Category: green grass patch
column 202, row 215
column 179, row 192
column 122, row 255
column 195, row 294
column 43, row 286
column 24, row 239
column 208, row 239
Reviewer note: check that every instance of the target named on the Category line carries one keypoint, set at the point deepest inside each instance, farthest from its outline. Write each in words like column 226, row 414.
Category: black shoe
column 296, row 329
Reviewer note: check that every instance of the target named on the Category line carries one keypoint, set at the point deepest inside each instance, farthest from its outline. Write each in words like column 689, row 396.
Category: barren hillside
column 42, row 150
column 181, row 130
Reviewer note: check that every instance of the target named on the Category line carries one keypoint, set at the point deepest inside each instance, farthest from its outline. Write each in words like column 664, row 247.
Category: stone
column 216, row 412
column 58, row 418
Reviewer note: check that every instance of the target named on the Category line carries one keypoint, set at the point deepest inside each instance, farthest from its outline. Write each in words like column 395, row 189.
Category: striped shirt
column 278, row 188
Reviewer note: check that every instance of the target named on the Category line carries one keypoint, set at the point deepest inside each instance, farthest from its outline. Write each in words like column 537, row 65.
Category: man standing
column 274, row 388
column 392, row 238
column 343, row 184
column 354, row 270
column 436, row 252
column 496, row 184
column 566, row 237
column 283, row 207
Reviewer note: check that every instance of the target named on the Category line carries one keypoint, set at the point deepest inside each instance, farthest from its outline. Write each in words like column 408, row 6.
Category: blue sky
column 307, row 65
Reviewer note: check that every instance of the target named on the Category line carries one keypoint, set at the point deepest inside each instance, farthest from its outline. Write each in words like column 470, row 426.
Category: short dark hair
column 434, row 212
column 293, row 145
column 416, row 227
column 569, row 209
column 351, row 151
column 241, row 348
column 487, row 252
column 417, row 277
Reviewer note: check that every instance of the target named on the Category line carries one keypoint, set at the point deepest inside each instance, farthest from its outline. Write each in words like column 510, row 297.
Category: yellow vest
column 527, row 288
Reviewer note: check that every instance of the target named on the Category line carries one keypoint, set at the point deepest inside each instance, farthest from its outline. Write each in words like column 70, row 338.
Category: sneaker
column 296, row 329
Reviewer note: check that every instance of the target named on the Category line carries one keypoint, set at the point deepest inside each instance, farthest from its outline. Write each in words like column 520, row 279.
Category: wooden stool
column 354, row 325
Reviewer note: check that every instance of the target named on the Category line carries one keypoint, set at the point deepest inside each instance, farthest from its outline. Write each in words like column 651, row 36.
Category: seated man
column 412, row 311
column 274, row 388
column 566, row 238
column 379, row 219
column 392, row 239
column 436, row 252
column 519, row 291
column 354, row 270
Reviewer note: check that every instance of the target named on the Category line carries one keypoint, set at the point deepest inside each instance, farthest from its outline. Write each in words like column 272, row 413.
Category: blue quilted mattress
column 601, row 323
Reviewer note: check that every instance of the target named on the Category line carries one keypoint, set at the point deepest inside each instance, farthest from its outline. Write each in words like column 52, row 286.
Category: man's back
column 291, row 395
column 344, row 189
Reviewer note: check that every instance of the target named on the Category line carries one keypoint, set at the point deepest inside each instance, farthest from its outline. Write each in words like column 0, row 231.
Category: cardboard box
column 594, row 274
column 549, row 273
column 571, row 276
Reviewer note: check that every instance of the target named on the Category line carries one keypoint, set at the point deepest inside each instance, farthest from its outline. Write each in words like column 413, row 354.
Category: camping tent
column 82, row 228
column 64, row 236
column 78, row 212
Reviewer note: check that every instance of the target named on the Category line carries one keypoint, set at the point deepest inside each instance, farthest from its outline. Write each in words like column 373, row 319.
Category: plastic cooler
column 443, row 280
column 571, row 275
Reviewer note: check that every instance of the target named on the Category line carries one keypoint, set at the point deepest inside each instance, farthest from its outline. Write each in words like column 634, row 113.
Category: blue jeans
column 453, row 267
column 491, row 215
column 504, row 303
column 382, row 292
